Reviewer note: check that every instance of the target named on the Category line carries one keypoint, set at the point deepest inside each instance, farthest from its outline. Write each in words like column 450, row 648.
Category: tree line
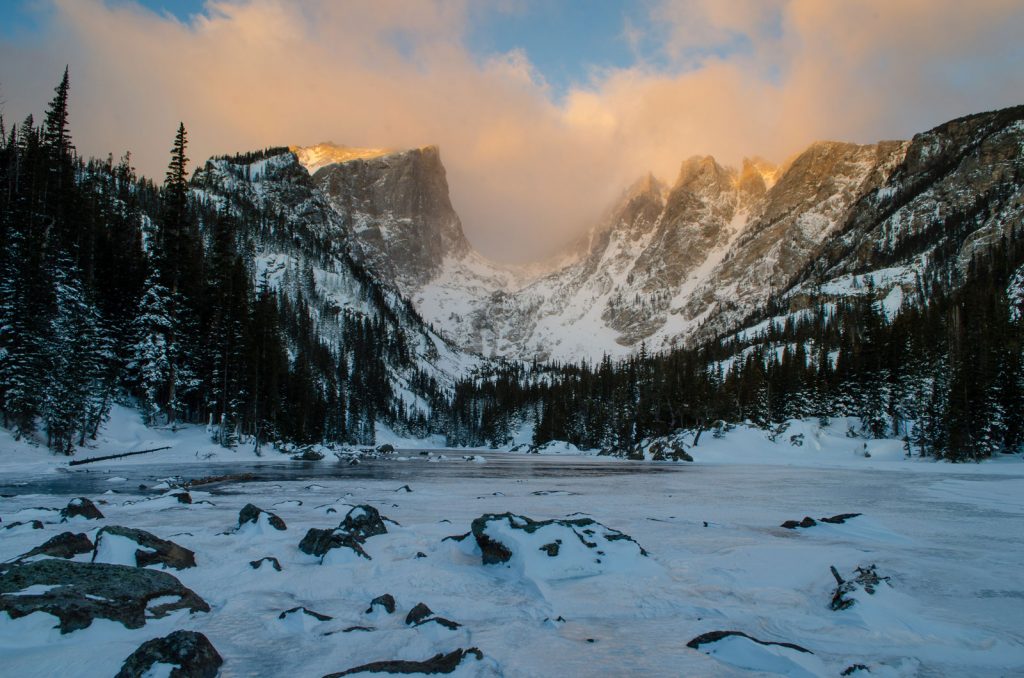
column 113, row 289
column 945, row 374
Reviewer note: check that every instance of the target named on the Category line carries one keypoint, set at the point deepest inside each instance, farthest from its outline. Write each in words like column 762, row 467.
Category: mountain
column 677, row 264
column 665, row 264
column 305, row 249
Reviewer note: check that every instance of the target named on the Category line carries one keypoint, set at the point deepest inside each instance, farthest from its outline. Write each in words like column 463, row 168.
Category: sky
column 544, row 110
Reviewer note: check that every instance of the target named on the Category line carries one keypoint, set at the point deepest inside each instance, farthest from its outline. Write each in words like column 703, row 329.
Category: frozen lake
column 93, row 478
column 951, row 544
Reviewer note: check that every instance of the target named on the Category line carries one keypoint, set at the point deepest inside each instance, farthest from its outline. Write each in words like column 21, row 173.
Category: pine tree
column 56, row 135
column 77, row 398
column 153, row 354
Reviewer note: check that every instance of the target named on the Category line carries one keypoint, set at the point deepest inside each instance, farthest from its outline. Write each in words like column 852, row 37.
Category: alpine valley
column 312, row 295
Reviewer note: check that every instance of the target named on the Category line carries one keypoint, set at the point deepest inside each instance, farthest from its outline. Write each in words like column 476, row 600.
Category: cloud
column 529, row 168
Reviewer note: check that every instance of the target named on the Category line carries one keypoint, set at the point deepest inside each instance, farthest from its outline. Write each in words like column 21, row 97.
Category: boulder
column 64, row 545
column 191, row 652
column 839, row 519
column 305, row 611
column 251, row 513
column 183, row 497
column 806, row 522
column 553, row 549
column 363, row 522
column 256, row 564
column 80, row 592
column 418, row 613
column 439, row 663
column 80, row 507
column 386, row 448
column 864, row 578
column 309, row 455
column 387, row 601
column 318, row 542
column 152, row 550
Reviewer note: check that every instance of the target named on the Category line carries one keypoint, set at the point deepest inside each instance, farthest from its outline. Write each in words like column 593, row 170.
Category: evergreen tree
column 153, row 353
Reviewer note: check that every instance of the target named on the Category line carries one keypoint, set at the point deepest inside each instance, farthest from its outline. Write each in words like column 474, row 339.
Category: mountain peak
column 327, row 153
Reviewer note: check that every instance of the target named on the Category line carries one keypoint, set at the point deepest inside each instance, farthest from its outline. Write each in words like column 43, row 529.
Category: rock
column 864, row 577
column 153, row 550
column 404, row 488
column 256, row 564
column 305, row 611
column 318, row 542
column 573, row 547
column 35, row 525
column 183, row 497
column 715, row 636
column 840, row 519
column 854, row 668
column 309, row 455
column 387, row 601
column 85, row 591
column 386, row 448
column 80, row 507
column 456, row 537
column 64, row 545
column 363, row 522
column 552, row 548
column 664, row 450
column 191, row 652
column 421, row 554
column 250, row 513
column 447, row 623
column 793, row 524
column 439, row 663
column 418, row 614
column 350, row 629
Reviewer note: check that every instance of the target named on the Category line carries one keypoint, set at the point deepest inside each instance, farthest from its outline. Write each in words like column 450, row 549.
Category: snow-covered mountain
column 664, row 263
column 303, row 249
column 675, row 264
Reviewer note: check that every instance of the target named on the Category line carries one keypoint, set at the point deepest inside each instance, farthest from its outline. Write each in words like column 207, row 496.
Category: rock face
column 81, row 508
column 152, row 550
column 555, row 549
column 76, row 593
column 192, row 653
column 397, row 209
column 251, row 513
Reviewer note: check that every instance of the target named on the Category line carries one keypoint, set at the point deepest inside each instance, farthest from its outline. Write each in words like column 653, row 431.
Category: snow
column 774, row 659
column 117, row 550
column 323, row 154
column 947, row 536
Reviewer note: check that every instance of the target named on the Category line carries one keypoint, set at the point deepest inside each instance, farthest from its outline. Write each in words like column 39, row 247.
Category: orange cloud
column 528, row 171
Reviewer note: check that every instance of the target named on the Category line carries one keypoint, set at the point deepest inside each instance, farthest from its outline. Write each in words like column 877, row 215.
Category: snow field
column 949, row 544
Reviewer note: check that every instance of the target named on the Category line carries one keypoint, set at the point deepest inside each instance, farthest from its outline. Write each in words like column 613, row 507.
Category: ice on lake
column 950, row 543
